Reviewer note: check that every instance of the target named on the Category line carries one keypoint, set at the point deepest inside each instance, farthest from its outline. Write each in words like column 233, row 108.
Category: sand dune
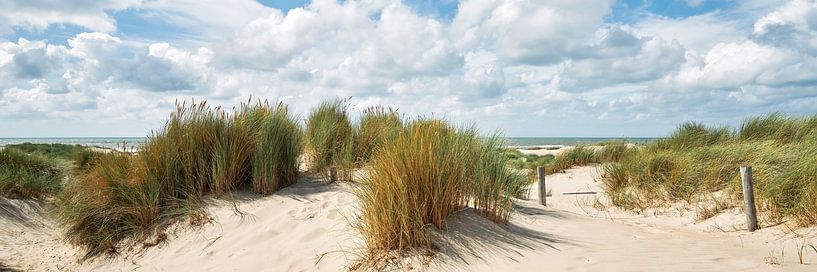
column 305, row 227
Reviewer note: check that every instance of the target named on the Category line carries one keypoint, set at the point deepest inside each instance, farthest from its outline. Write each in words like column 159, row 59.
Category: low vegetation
column 378, row 126
column 200, row 151
column 57, row 151
column 428, row 172
column 24, row 175
column 330, row 138
column 79, row 155
column 696, row 161
column 574, row 156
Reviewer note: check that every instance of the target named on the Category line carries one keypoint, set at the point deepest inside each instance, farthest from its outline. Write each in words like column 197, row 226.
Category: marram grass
column 200, row 151
column 279, row 144
column 24, row 175
column 378, row 126
column 428, row 172
column 695, row 162
column 329, row 137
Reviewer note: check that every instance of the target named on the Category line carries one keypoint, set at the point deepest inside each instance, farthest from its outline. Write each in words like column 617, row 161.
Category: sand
column 305, row 227
column 555, row 150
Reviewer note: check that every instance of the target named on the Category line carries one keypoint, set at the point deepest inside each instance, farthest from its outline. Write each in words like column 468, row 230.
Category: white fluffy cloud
column 521, row 65
column 39, row 14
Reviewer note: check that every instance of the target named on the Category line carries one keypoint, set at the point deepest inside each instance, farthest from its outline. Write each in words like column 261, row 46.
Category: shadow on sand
column 305, row 190
column 306, row 186
column 470, row 238
column 5, row 268
column 21, row 212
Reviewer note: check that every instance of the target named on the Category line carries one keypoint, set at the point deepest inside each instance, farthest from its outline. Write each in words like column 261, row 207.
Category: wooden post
column 749, row 197
column 333, row 174
column 543, row 193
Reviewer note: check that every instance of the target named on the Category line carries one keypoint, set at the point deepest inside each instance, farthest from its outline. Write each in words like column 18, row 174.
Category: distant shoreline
column 511, row 142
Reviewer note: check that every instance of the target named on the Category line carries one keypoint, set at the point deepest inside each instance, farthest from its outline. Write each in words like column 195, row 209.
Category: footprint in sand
column 334, row 214
column 303, row 213
column 314, row 234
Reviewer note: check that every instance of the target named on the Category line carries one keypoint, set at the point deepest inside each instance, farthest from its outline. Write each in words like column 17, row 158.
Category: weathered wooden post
column 543, row 193
column 333, row 174
column 749, row 197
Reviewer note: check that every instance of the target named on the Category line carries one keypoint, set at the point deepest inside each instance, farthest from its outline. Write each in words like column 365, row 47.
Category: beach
column 306, row 227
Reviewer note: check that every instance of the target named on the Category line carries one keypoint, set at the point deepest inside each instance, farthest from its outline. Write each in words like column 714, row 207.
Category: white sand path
column 305, row 228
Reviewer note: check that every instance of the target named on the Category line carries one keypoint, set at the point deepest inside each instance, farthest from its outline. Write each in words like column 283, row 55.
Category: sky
column 629, row 68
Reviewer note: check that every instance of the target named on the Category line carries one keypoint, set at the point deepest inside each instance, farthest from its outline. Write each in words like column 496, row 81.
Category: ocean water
column 567, row 141
column 108, row 142
column 117, row 142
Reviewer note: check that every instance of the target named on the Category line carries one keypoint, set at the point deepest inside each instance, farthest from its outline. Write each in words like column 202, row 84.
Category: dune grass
column 279, row 144
column 81, row 156
column 329, row 137
column 378, row 125
column 518, row 160
column 57, row 151
column 24, row 175
column 200, row 151
column 428, row 172
column 695, row 162
column 581, row 155
column 576, row 156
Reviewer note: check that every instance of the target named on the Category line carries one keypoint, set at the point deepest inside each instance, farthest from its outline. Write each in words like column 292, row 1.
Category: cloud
column 529, row 32
column 39, row 14
column 530, row 67
column 793, row 25
column 697, row 33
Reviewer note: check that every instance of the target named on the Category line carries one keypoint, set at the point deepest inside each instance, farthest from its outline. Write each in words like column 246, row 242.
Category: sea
column 523, row 142
column 119, row 142
column 106, row 142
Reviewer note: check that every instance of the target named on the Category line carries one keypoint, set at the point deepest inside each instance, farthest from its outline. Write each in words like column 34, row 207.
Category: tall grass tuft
column 378, row 125
column 25, row 175
column 329, row 137
column 428, row 172
column 576, row 156
column 614, row 151
column 200, row 151
column 696, row 161
column 56, row 151
column 112, row 202
column 692, row 134
column 279, row 143
column 778, row 127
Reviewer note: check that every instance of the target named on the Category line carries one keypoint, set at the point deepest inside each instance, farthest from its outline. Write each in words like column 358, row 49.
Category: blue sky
column 134, row 22
column 526, row 67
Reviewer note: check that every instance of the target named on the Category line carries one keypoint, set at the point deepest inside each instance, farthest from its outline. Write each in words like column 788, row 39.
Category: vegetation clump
column 56, row 151
column 586, row 155
column 24, row 175
column 330, row 138
column 200, row 151
column 696, row 161
column 428, row 172
column 378, row 126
